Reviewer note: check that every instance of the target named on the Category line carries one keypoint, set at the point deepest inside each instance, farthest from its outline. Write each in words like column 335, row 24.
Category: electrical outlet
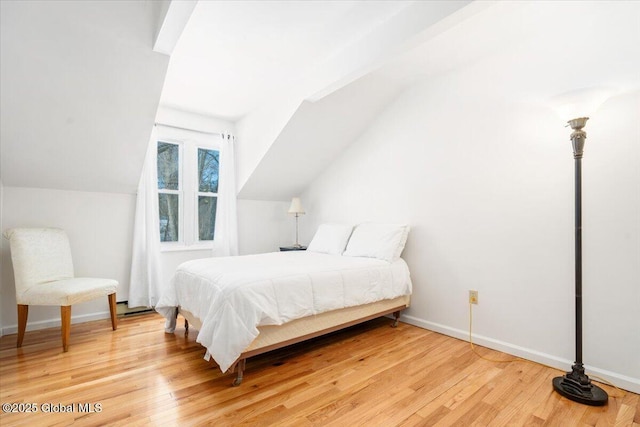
column 473, row 297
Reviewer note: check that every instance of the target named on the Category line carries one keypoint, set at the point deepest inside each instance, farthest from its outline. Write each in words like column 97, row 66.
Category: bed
column 246, row 305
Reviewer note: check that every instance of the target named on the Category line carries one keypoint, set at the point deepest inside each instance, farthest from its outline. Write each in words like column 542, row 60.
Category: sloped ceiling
column 315, row 135
column 289, row 134
column 233, row 55
column 257, row 62
column 529, row 62
column 80, row 86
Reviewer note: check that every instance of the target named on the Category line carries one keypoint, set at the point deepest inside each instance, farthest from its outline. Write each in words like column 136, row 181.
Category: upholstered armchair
column 43, row 271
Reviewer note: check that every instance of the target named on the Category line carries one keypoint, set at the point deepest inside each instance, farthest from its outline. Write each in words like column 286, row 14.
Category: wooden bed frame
column 273, row 337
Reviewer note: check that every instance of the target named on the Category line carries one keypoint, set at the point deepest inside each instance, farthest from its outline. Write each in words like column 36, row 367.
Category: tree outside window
column 208, row 174
column 169, row 193
column 187, row 192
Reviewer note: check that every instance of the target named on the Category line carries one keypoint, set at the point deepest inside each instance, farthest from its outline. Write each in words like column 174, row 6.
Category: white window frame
column 189, row 142
column 179, row 191
column 196, row 187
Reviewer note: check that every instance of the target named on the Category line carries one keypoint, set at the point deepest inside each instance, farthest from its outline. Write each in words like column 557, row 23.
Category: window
column 188, row 174
column 169, row 191
column 208, row 167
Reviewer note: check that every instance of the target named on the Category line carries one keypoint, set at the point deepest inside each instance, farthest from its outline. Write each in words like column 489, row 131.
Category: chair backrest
column 39, row 255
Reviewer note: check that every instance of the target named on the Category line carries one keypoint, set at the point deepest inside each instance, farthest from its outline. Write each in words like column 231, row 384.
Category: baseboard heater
column 123, row 310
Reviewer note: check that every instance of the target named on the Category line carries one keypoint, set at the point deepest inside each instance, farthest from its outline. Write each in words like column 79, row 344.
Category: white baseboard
column 56, row 323
column 621, row 381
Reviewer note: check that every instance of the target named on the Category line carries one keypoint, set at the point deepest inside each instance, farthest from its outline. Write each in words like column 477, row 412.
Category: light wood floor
column 370, row 375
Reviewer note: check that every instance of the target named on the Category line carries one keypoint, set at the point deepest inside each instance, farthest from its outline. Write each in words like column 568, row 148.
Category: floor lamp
column 576, row 385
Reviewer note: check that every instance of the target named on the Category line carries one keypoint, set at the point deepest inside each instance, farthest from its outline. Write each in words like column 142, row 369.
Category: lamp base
column 577, row 386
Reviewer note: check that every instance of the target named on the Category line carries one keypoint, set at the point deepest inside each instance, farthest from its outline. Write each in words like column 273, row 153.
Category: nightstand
column 292, row 248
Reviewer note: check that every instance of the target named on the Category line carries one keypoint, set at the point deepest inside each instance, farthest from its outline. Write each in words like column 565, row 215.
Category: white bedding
column 232, row 296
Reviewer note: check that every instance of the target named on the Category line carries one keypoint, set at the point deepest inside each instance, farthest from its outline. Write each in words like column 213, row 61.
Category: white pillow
column 330, row 239
column 382, row 241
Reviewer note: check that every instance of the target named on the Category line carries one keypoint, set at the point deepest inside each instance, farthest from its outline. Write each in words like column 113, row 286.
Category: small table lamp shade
column 296, row 207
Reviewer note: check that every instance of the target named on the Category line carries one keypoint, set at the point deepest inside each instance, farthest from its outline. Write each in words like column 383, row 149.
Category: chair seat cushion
column 68, row 291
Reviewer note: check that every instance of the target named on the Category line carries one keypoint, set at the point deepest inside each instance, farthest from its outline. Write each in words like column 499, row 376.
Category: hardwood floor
column 370, row 375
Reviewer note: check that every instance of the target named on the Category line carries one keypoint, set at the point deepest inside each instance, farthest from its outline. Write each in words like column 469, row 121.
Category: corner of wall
column 257, row 132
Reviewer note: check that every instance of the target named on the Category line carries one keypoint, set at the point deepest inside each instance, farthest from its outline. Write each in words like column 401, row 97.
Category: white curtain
column 226, row 233
column 146, row 281
column 145, row 284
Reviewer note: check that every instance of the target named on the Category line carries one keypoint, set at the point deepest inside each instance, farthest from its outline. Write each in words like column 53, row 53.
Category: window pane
column 168, row 166
column 168, row 206
column 206, row 217
column 208, row 166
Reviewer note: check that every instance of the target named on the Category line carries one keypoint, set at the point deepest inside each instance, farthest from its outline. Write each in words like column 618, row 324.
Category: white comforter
column 232, row 296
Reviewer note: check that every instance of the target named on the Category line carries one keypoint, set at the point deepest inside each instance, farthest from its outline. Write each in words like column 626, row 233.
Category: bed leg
column 240, row 367
column 396, row 316
column 186, row 327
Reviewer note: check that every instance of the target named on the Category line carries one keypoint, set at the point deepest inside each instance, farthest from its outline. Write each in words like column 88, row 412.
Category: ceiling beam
column 172, row 24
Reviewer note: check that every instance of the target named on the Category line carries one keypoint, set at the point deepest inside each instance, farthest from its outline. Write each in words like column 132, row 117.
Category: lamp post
column 576, row 385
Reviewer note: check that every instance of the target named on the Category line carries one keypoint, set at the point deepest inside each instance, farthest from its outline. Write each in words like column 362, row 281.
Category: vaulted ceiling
column 80, row 83
column 273, row 67
column 80, row 86
column 529, row 52
column 234, row 55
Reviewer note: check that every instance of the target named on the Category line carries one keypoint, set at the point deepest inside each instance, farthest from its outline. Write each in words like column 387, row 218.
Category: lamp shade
column 580, row 103
column 296, row 206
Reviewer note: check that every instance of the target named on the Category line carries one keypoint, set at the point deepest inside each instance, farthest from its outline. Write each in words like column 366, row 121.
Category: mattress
column 233, row 296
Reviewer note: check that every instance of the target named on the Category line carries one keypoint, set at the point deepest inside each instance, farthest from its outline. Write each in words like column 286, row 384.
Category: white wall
column 487, row 185
column 99, row 226
column 184, row 119
column 263, row 226
column 1, row 269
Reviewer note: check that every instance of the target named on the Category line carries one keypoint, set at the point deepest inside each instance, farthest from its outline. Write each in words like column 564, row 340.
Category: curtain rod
column 190, row 130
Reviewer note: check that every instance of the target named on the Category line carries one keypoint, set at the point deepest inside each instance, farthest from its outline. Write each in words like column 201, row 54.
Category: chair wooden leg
column 112, row 309
column 65, row 315
column 23, row 313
